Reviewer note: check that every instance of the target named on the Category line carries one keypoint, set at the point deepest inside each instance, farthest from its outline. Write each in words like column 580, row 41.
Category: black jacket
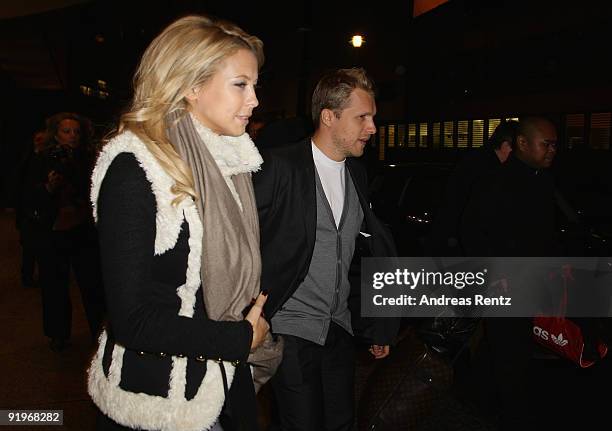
column 285, row 191
column 445, row 238
column 512, row 213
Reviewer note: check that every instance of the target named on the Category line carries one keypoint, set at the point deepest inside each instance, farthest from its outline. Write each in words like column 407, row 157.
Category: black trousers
column 59, row 251
column 511, row 348
column 28, row 263
column 313, row 386
column 28, row 236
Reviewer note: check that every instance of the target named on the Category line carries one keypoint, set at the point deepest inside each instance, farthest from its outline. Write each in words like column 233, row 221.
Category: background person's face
column 39, row 141
column 504, row 151
column 226, row 101
column 351, row 132
column 542, row 145
column 68, row 133
column 254, row 128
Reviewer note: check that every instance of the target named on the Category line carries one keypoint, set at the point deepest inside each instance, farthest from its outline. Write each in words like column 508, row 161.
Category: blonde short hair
column 334, row 89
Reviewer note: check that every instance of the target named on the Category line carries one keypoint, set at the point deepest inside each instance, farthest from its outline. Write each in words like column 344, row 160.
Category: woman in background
column 56, row 199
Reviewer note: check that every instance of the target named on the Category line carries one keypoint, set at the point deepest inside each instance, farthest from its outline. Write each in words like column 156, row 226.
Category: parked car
column 407, row 197
column 585, row 221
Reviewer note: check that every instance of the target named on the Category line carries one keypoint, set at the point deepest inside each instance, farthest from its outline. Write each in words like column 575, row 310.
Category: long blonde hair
column 184, row 56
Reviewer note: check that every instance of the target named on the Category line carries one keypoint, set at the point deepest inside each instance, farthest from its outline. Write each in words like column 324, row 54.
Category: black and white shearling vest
column 140, row 410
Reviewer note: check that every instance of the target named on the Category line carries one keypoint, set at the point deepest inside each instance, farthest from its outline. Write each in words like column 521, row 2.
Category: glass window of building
column 574, row 130
column 401, row 135
column 423, row 135
column 493, row 123
column 391, row 135
column 477, row 133
column 599, row 138
column 412, row 135
column 382, row 135
column 462, row 134
column 381, row 143
column 435, row 135
column 449, row 138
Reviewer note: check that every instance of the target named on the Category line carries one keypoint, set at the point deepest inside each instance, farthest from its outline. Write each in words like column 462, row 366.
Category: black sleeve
column 265, row 188
column 126, row 223
column 484, row 219
column 270, row 186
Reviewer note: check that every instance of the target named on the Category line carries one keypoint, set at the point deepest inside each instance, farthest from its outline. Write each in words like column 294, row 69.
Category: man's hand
column 379, row 352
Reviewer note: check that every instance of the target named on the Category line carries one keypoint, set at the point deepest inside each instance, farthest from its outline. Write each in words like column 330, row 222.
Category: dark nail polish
column 264, row 292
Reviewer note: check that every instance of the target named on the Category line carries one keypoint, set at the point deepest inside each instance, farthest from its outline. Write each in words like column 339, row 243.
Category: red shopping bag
column 563, row 336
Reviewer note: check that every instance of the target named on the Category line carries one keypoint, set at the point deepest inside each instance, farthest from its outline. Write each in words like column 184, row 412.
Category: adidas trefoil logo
column 559, row 340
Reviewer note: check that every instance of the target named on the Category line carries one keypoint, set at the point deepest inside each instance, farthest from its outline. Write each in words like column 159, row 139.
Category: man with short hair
column 536, row 142
column 314, row 215
column 513, row 214
column 445, row 239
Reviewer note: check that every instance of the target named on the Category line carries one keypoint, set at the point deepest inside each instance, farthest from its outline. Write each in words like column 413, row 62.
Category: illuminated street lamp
column 357, row 41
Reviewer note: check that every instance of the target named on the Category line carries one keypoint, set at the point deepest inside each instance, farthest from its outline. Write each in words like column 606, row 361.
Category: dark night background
column 465, row 59
column 442, row 78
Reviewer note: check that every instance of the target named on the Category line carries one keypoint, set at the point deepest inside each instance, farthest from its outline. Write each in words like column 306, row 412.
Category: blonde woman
column 179, row 238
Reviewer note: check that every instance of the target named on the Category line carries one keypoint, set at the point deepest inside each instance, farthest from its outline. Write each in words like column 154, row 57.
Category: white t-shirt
column 331, row 174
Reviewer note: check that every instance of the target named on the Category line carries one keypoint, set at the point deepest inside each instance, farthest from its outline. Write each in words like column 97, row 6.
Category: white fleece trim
column 233, row 154
column 149, row 412
column 187, row 292
column 168, row 218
